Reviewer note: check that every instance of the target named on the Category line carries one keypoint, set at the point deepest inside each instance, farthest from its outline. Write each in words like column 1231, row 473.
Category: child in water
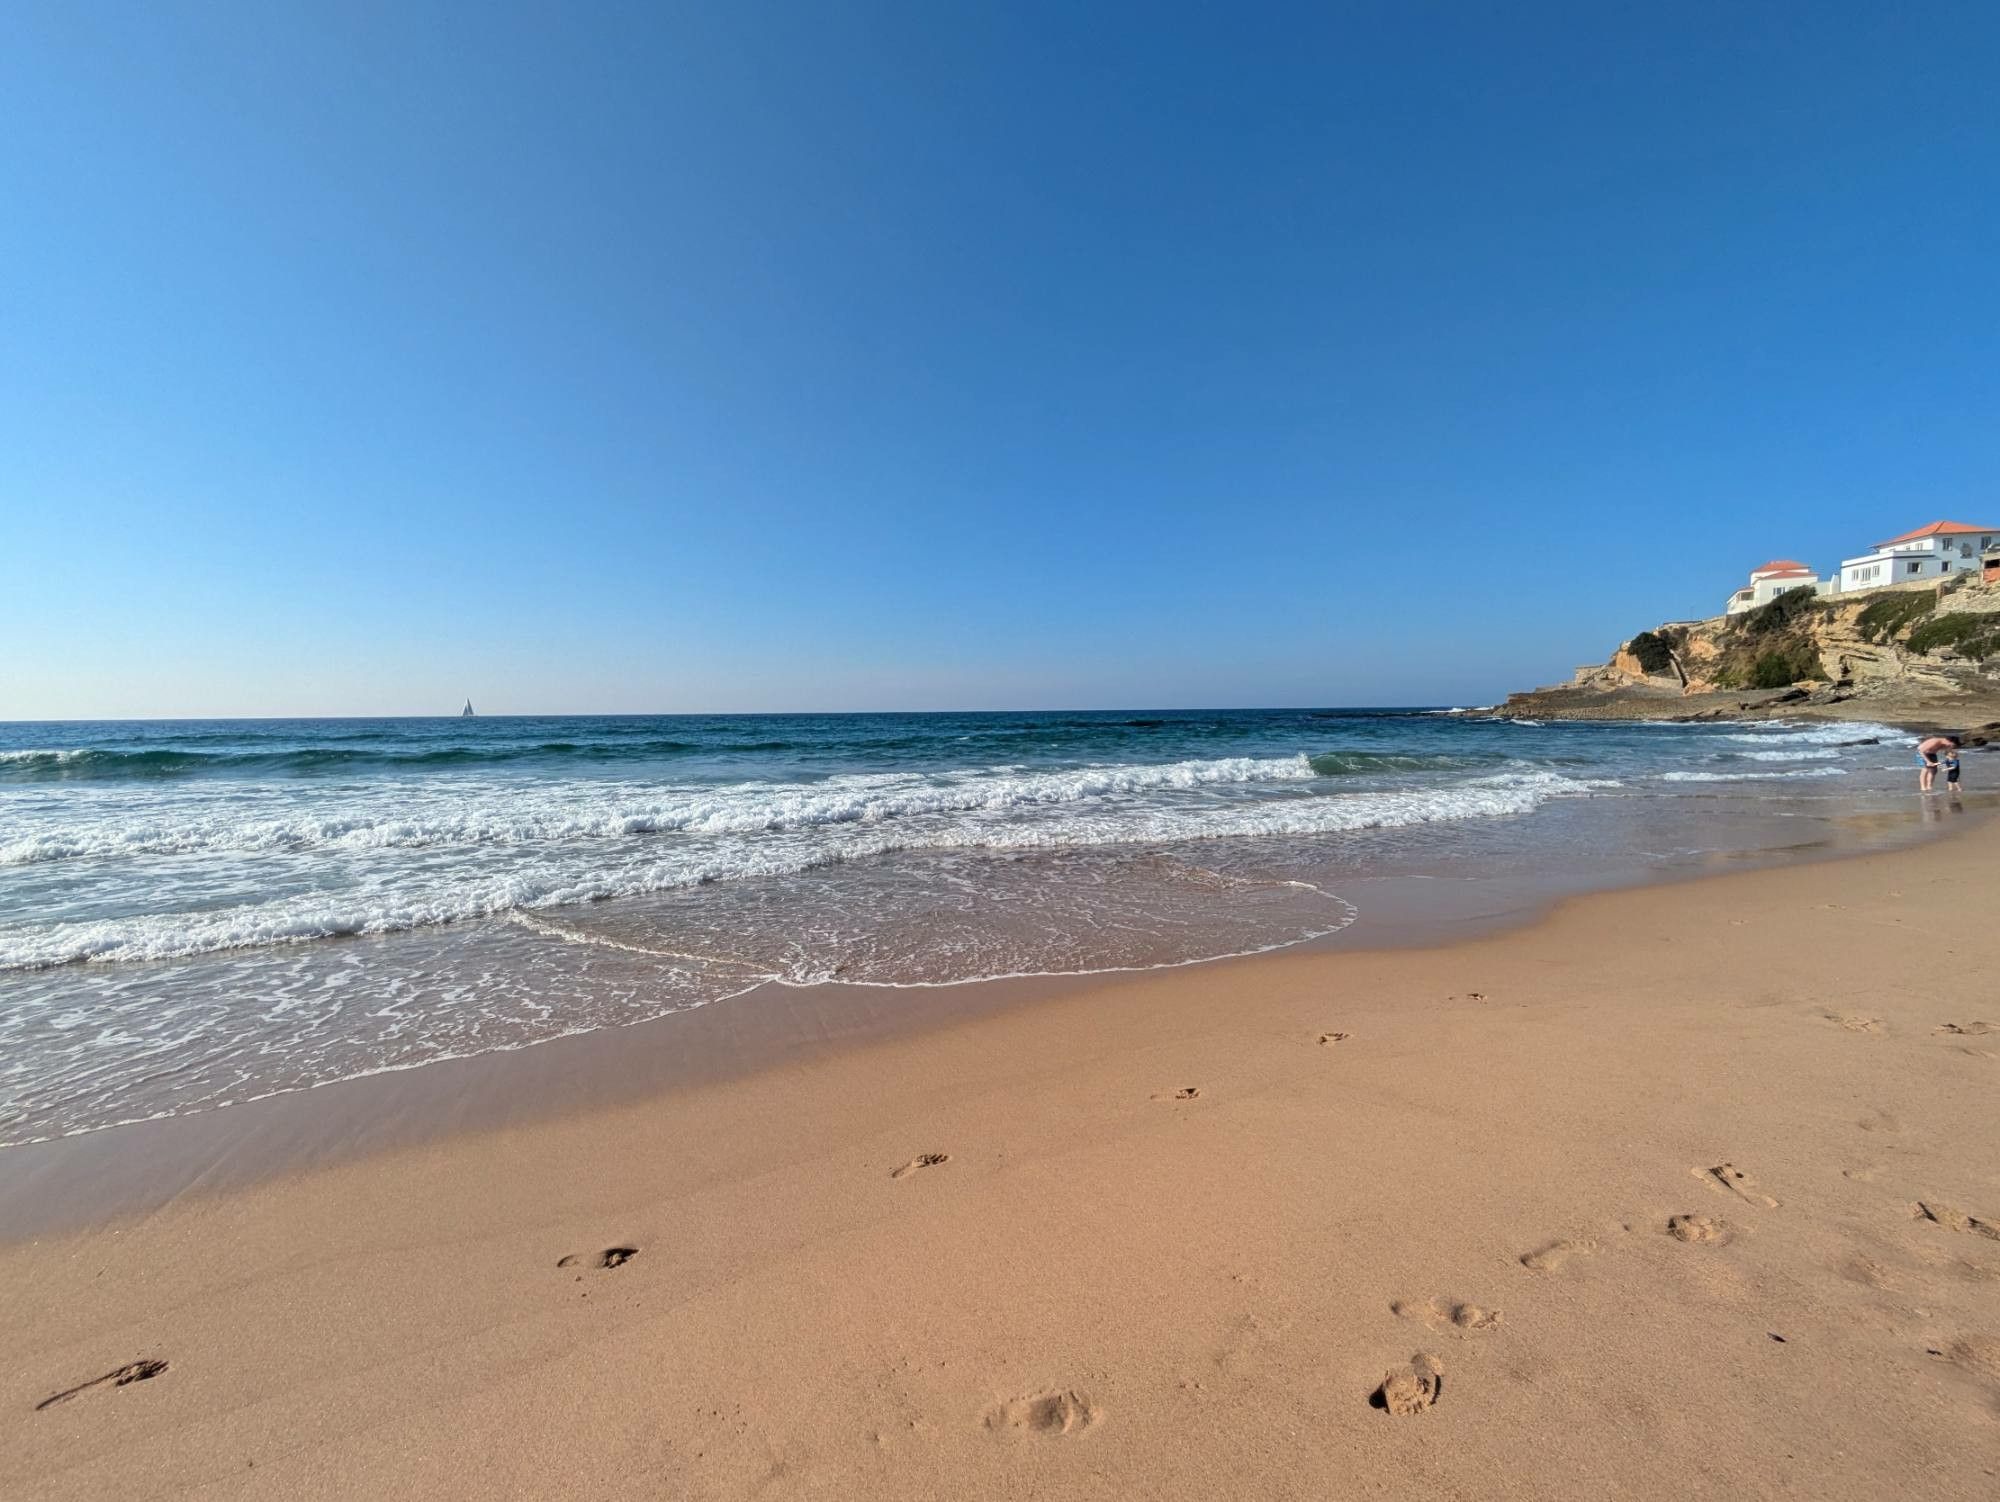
column 1929, row 750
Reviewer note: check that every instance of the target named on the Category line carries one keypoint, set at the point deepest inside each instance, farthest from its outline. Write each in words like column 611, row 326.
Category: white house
column 1933, row 552
column 1769, row 580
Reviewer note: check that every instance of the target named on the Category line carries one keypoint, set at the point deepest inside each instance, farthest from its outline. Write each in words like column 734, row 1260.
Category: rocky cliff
column 1916, row 652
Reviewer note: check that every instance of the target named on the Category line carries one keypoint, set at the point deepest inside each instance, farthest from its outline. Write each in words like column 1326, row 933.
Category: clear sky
column 359, row 357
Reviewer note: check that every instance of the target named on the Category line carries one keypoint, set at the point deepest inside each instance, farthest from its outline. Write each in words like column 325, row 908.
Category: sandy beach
column 791, row 752
column 1683, row 1191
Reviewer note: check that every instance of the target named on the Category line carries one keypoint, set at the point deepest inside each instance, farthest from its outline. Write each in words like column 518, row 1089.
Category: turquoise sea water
column 198, row 912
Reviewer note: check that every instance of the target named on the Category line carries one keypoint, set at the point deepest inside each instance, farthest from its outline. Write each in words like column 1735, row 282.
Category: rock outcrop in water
column 1924, row 652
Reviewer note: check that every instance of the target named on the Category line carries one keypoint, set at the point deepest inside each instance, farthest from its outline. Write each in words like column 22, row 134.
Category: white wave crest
column 425, row 894
column 1844, row 733
column 507, row 814
column 1751, row 776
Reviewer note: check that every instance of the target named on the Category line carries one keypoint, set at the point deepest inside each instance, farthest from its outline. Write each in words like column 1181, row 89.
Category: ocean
column 196, row 913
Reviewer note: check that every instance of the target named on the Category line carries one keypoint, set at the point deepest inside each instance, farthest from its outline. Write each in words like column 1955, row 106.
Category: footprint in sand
column 1448, row 1314
column 1043, row 1415
column 1410, row 1389
column 1547, row 1259
column 1979, row 1354
column 1854, row 1022
column 1866, row 1271
column 1328, row 1039
column 1697, row 1230
column 922, row 1160
column 1728, row 1176
column 1953, row 1220
column 610, row 1257
column 1186, row 1092
column 125, row 1376
column 1970, row 1030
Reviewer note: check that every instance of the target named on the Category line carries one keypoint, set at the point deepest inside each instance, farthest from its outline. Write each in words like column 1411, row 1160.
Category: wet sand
column 1685, row 1190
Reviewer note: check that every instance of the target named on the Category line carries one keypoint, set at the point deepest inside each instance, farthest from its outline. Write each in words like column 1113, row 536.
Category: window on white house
column 1916, row 566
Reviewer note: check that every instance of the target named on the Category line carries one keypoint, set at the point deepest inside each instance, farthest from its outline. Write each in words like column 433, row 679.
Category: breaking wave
column 99, row 764
column 1752, row 776
column 805, row 829
column 1846, row 733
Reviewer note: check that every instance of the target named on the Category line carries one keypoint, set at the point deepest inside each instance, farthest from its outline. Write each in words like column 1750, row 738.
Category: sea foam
column 564, row 854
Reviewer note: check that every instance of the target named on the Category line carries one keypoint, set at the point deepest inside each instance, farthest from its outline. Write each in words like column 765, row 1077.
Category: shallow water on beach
column 197, row 913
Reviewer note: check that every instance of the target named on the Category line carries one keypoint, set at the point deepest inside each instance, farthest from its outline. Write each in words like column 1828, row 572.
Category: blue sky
column 356, row 358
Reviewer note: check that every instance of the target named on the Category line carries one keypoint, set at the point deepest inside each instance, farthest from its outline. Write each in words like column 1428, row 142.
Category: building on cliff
column 1933, row 552
column 1769, row 580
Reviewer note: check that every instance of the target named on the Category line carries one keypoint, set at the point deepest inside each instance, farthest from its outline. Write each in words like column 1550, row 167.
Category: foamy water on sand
column 197, row 913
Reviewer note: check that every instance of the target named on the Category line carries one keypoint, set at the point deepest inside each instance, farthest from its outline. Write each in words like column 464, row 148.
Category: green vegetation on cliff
column 1654, row 652
column 1973, row 636
column 1910, row 646
column 1779, row 615
column 1771, row 646
column 1884, row 618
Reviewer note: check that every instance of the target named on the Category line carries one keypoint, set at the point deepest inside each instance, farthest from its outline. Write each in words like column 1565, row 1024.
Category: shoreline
column 118, row 1173
column 1637, row 1179
column 1914, row 714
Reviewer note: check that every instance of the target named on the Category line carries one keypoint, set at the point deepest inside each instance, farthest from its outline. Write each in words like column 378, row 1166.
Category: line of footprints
column 1419, row 1385
column 1409, row 1389
column 1056, row 1412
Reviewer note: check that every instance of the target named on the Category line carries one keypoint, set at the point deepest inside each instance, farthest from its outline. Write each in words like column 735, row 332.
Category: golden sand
column 1687, row 1191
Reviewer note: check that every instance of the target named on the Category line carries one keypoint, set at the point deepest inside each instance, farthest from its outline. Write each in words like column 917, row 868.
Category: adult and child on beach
column 1935, row 751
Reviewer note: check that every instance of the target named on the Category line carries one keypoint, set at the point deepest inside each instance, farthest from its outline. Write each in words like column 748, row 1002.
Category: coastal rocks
column 1899, row 648
column 1626, row 664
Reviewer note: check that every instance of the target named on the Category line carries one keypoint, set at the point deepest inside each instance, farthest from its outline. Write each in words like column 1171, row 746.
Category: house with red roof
column 1769, row 580
column 1933, row 552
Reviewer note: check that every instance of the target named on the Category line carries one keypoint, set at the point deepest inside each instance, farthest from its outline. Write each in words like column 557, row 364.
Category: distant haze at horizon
column 897, row 358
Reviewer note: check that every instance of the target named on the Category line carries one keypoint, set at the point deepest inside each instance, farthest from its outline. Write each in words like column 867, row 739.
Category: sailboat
column 466, row 713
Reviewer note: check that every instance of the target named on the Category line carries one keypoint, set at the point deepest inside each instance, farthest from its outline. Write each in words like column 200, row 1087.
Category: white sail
column 466, row 713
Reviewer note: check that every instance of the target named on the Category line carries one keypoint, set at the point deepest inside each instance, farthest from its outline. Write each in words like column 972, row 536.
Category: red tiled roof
column 1780, row 566
column 1935, row 529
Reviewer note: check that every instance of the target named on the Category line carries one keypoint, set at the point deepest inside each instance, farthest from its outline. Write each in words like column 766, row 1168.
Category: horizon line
column 664, row 714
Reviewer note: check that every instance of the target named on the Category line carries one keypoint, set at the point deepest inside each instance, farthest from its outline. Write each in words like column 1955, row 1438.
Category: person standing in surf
column 1929, row 749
